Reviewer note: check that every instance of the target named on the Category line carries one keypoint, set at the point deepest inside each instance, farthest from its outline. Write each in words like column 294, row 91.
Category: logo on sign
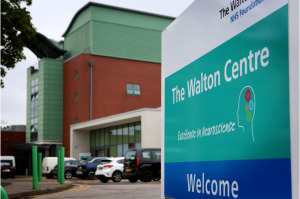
column 246, row 110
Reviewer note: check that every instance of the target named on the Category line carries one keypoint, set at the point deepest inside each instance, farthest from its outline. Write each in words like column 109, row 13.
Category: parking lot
column 90, row 189
column 109, row 190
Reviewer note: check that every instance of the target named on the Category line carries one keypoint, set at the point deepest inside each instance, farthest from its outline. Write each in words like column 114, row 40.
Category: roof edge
column 158, row 109
column 111, row 6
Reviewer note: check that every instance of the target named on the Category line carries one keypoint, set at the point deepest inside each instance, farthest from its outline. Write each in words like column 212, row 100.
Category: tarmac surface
column 22, row 187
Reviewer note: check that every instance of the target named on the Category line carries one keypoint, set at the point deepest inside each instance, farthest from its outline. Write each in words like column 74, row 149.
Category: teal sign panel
column 227, row 126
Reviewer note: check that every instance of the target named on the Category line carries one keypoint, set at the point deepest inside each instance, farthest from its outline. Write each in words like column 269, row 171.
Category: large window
column 34, row 85
column 133, row 89
column 116, row 140
column 34, row 109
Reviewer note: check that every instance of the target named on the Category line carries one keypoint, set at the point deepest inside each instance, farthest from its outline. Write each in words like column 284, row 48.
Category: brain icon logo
column 246, row 110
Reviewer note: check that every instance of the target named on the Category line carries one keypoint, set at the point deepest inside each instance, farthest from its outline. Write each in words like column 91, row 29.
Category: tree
column 15, row 25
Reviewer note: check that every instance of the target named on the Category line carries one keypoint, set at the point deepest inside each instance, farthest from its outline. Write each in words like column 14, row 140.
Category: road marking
column 78, row 187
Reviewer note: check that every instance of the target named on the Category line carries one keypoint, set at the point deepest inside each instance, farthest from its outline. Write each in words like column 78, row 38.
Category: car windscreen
column 5, row 164
column 7, row 161
column 130, row 155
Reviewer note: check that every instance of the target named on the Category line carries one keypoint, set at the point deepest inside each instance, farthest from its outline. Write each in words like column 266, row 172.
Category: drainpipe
column 91, row 63
column 6, row 143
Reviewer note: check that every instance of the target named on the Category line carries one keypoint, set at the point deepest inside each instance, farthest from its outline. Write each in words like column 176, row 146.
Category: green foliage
column 15, row 24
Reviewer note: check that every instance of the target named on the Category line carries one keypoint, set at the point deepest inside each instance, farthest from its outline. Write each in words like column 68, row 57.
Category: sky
column 51, row 18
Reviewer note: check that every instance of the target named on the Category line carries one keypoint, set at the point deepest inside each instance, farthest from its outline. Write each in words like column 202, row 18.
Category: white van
column 8, row 167
column 9, row 159
column 49, row 164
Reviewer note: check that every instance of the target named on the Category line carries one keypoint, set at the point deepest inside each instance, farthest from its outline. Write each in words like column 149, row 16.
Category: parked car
column 48, row 165
column 70, row 169
column 87, row 168
column 111, row 169
column 143, row 164
column 9, row 159
column 8, row 167
column 7, row 170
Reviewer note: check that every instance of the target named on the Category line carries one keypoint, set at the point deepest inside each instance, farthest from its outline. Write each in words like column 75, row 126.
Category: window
column 157, row 155
column 130, row 155
column 76, row 120
column 76, row 97
column 133, row 89
column 115, row 140
column 34, row 86
column 146, row 154
column 76, row 74
column 34, row 109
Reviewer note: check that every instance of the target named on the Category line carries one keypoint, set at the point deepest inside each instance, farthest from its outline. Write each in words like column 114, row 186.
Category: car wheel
column 54, row 176
column 68, row 175
column 91, row 175
column 117, row 176
column 133, row 179
column 103, row 179
column 147, row 176
column 49, row 176
column 156, row 179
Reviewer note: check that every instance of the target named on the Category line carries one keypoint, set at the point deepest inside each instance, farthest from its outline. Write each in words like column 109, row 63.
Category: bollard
column 62, row 165
column 40, row 166
column 58, row 167
column 34, row 167
column 3, row 194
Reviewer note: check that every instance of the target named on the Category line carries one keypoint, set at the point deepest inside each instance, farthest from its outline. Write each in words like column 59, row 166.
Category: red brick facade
column 110, row 76
column 9, row 139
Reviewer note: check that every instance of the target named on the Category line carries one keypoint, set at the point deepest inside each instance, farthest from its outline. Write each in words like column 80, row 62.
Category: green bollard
column 40, row 166
column 58, row 167
column 62, row 165
column 3, row 194
column 34, row 167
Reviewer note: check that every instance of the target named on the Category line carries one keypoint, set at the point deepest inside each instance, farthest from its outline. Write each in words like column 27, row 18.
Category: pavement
column 22, row 187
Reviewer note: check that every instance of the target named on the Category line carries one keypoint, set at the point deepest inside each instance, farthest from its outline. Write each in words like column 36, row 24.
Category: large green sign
column 227, row 117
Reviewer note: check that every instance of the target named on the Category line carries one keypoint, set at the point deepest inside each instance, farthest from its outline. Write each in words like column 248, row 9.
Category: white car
column 48, row 165
column 110, row 170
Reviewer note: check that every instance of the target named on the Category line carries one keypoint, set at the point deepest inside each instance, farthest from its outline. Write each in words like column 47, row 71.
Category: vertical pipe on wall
column 91, row 63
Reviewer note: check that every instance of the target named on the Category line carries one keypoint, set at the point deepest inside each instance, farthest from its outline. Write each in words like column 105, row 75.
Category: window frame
column 133, row 89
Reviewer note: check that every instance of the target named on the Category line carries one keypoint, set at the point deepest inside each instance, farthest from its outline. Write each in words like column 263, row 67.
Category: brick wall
column 110, row 76
column 13, row 138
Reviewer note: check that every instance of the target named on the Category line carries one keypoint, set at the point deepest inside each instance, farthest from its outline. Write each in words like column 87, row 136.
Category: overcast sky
column 51, row 18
